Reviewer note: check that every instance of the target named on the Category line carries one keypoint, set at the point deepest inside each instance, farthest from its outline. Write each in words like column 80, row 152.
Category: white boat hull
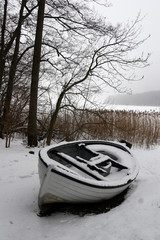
column 58, row 185
column 60, row 188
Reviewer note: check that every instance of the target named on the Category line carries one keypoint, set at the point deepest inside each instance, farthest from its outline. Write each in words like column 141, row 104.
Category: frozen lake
column 134, row 108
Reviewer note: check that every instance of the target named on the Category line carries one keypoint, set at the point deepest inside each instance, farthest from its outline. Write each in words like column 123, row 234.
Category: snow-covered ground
column 137, row 218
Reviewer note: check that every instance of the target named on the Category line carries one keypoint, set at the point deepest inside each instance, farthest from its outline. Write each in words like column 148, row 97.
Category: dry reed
column 139, row 128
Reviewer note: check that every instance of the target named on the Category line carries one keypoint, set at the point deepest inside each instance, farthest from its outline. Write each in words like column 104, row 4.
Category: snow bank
column 137, row 218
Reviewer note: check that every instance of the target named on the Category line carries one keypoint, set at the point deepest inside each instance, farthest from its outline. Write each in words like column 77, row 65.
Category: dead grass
column 139, row 128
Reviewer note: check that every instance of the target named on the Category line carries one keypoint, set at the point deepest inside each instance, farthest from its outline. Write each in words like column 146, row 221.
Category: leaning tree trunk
column 32, row 119
column 54, row 118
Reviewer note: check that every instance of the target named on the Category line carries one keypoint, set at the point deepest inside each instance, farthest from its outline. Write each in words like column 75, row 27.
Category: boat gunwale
column 94, row 185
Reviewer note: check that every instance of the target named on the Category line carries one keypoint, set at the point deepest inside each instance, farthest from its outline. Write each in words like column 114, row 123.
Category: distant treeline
column 151, row 98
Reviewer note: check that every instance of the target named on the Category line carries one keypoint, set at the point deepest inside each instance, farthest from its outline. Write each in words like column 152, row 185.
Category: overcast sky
column 124, row 10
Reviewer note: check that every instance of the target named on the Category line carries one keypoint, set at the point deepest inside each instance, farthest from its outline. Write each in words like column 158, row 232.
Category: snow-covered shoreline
column 137, row 218
column 133, row 108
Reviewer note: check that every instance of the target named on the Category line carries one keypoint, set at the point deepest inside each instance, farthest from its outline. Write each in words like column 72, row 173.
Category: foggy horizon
column 123, row 11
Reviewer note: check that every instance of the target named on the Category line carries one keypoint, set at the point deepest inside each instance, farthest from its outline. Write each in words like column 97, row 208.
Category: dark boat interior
column 82, row 154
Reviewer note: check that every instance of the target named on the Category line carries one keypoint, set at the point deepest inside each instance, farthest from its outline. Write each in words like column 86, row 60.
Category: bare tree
column 13, row 62
column 104, row 61
column 10, row 27
column 79, row 54
column 11, row 52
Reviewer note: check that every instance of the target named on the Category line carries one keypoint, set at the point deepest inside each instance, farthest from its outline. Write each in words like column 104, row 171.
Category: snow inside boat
column 84, row 171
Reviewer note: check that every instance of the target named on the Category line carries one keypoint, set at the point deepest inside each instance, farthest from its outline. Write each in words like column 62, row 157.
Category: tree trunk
column 54, row 118
column 12, row 71
column 32, row 120
column 2, row 61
